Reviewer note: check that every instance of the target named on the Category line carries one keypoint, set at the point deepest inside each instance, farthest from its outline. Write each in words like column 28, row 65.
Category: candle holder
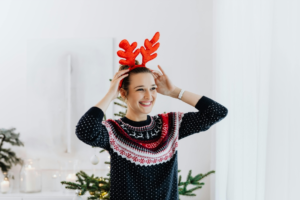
column 6, row 183
column 69, row 170
column 55, row 185
column 31, row 176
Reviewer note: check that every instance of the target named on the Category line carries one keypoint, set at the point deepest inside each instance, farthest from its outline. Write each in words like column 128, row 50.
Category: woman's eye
column 143, row 89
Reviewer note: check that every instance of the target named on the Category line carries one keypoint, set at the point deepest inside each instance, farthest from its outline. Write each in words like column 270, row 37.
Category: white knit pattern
column 144, row 158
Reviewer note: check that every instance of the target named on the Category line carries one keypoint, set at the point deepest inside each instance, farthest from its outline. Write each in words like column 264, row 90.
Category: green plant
column 98, row 187
column 8, row 158
column 191, row 181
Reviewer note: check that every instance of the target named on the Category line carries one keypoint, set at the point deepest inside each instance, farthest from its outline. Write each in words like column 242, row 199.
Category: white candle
column 69, row 68
column 4, row 186
column 71, row 178
column 30, row 179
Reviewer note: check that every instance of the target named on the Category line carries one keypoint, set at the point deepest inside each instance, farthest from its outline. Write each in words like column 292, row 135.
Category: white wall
column 185, row 54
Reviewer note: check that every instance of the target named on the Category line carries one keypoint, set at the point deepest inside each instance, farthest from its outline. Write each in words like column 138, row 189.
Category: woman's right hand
column 114, row 84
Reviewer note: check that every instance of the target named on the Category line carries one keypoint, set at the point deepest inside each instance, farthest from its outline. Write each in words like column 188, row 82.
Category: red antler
column 150, row 49
column 128, row 53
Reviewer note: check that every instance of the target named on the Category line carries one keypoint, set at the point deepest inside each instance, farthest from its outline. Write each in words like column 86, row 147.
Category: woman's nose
column 148, row 94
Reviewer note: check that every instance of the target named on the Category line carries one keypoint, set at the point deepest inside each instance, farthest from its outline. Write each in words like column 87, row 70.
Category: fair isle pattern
column 139, row 129
column 145, row 153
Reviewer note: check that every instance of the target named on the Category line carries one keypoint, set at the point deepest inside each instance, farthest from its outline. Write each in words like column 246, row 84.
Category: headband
column 129, row 54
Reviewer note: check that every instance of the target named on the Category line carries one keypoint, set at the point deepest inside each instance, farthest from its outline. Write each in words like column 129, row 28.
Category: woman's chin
column 147, row 109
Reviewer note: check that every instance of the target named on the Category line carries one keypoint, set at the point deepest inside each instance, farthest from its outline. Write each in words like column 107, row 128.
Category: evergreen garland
column 98, row 187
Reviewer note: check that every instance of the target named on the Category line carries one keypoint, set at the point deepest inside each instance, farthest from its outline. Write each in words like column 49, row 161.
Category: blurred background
column 243, row 54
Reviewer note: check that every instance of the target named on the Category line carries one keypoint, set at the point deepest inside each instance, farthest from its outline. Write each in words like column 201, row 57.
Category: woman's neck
column 137, row 117
column 137, row 123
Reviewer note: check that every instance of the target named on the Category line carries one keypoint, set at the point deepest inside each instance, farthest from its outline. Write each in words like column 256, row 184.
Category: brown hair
column 126, row 82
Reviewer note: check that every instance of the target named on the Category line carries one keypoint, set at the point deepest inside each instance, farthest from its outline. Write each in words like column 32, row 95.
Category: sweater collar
column 139, row 123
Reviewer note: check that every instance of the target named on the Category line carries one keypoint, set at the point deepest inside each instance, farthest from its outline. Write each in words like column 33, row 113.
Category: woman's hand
column 164, row 84
column 114, row 84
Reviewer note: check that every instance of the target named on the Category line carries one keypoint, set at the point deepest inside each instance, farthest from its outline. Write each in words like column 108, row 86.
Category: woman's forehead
column 142, row 79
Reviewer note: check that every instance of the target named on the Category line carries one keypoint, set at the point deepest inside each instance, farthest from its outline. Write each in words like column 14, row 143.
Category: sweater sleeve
column 90, row 129
column 209, row 113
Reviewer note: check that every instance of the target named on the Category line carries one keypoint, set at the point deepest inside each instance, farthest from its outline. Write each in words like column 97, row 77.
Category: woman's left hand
column 164, row 84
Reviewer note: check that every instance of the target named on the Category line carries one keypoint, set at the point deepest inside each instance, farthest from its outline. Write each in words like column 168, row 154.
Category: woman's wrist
column 110, row 96
column 105, row 101
column 175, row 92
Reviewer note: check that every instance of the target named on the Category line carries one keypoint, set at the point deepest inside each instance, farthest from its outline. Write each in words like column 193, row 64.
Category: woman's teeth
column 146, row 104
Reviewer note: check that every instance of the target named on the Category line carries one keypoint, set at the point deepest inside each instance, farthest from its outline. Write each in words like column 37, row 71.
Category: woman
column 143, row 148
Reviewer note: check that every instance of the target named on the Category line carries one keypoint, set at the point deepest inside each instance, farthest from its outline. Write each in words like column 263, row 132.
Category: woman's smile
column 146, row 104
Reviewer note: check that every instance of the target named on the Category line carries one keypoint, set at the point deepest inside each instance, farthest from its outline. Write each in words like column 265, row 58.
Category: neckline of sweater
column 137, row 124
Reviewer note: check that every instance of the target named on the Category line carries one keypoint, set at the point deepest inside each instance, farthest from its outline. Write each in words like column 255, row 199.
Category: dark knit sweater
column 144, row 154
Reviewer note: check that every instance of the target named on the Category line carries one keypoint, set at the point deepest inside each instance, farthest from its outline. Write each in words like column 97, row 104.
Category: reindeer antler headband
column 129, row 54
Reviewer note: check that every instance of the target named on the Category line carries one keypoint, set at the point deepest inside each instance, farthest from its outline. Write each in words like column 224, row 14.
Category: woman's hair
column 126, row 82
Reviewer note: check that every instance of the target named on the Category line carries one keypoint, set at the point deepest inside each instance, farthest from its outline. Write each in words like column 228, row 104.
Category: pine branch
column 2, row 140
column 124, row 106
column 193, row 181
column 89, row 183
column 118, row 115
column 8, row 158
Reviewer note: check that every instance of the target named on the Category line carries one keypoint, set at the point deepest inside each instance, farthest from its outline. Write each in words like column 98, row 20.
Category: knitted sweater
column 144, row 154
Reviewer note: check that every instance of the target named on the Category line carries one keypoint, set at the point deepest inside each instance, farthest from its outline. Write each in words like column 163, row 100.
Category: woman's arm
column 187, row 97
column 166, row 87
column 104, row 103
column 209, row 113
column 90, row 129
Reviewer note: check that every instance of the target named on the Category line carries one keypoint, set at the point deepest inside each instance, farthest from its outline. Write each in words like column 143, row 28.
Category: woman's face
column 142, row 89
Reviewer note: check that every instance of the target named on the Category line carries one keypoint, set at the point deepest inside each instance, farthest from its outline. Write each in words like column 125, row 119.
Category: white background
column 185, row 54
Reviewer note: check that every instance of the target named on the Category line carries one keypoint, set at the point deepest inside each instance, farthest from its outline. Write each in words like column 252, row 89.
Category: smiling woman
column 143, row 148
column 139, row 92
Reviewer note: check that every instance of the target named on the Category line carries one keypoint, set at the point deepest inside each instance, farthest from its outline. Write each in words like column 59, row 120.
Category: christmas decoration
column 8, row 158
column 148, row 53
column 94, row 160
column 193, row 181
column 90, row 184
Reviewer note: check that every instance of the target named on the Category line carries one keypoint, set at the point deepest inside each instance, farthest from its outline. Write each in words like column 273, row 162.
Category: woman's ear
column 123, row 93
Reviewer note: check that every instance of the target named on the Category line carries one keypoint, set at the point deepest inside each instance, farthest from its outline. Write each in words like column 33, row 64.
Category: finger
column 158, row 73
column 155, row 71
column 123, row 71
column 153, row 74
column 157, row 76
column 163, row 72
column 123, row 76
column 118, row 76
column 119, row 73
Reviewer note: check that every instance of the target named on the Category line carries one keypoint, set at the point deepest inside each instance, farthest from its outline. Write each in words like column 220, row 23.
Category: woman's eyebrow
column 143, row 86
